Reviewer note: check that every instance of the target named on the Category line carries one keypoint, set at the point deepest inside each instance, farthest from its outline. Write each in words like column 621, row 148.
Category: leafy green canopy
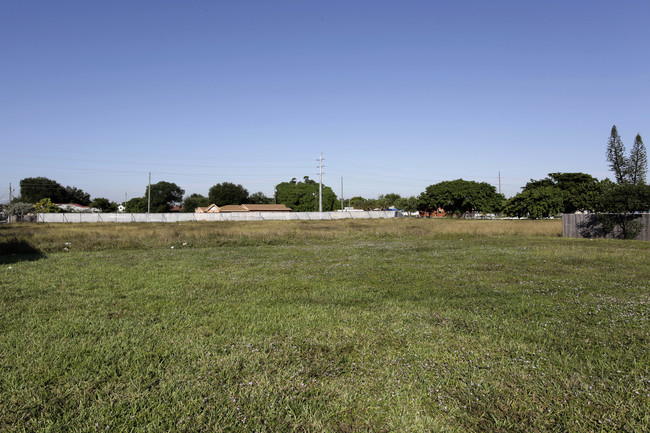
column 538, row 202
column 409, row 204
column 359, row 202
column 227, row 193
column 259, row 198
column 303, row 196
column 578, row 191
column 136, row 205
column 571, row 192
column 45, row 206
column 618, row 207
column 34, row 189
column 388, row 200
column 623, row 198
column 104, row 204
column 193, row 201
column 558, row 193
column 460, row 196
column 164, row 195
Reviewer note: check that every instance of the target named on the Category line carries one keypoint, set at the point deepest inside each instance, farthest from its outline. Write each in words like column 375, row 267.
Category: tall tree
column 388, row 200
column 616, row 156
column 104, row 204
column 568, row 181
column 259, row 198
column 637, row 163
column 458, row 196
column 541, row 202
column 303, row 196
column 382, row 202
column 33, row 189
column 76, row 195
column 45, row 205
column 578, row 191
column 191, row 202
column 164, row 195
column 391, row 198
column 624, row 199
column 357, row 202
column 617, row 209
column 226, row 193
column 407, row 204
column 136, row 205
column 370, row 204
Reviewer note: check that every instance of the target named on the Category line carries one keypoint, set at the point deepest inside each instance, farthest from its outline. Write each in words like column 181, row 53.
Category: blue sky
column 397, row 95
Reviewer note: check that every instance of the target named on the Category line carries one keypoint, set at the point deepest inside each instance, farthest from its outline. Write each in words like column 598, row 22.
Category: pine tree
column 616, row 156
column 637, row 163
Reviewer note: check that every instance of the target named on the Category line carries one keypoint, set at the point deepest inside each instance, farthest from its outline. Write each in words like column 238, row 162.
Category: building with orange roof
column 266, row 208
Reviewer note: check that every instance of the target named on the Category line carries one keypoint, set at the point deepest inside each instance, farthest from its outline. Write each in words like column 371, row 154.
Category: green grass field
column 344, row 326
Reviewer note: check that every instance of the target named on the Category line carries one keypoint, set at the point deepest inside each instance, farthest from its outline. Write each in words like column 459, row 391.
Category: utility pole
column 11, row 217
column 149, row 195
column 320, row 183
column 341, row 192
column 499, row 182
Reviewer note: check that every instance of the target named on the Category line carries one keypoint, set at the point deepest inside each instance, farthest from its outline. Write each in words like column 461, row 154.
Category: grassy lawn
column 342, row 326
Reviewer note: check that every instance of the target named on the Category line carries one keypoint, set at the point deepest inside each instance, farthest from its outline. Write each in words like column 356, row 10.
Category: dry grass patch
column 104, row 236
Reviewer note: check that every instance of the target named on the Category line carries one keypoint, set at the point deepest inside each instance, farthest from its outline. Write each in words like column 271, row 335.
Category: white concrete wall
column 234, row 216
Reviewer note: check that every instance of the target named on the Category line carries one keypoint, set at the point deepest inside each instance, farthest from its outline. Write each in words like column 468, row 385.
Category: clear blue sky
column 397, row 95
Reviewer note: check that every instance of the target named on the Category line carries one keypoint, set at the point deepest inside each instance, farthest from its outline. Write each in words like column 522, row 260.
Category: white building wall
column 233, row 216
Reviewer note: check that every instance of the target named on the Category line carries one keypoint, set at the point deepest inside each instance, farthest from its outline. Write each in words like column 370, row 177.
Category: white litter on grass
column 172, row 247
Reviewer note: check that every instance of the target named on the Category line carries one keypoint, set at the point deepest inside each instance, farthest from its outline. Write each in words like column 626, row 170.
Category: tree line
column 555, row 194
column 570, row 192
column 39, row 194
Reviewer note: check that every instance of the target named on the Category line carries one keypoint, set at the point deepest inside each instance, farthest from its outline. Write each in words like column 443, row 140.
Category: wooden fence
column 610, row 226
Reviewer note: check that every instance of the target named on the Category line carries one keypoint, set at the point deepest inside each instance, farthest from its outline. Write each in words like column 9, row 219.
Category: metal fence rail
column 233, row 216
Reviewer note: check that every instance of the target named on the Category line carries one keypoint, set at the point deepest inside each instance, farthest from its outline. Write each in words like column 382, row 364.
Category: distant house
column 176, row 209
column 243, row 208
column 266, row 208
column 209, row 209
column 74, row 207
column 231, row 208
